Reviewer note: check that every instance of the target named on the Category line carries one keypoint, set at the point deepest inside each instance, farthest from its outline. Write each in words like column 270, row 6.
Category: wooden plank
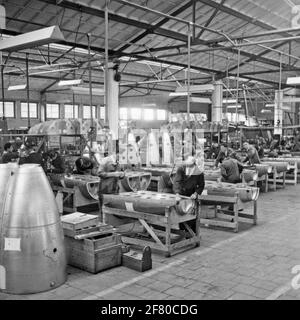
column 79, row 220
column 150, row 231
column 173, row 236
column 93, row 234
column 143, row 243
column 152, row 218
column 218, row 199
column 184, row 243
column 72, row 233
column 218, row 223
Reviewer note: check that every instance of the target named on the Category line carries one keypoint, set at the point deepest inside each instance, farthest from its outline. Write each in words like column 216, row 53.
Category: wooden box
column 79, row 220
column 94, row 254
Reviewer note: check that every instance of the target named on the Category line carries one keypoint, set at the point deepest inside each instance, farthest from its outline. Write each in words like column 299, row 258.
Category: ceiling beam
column 157, row 25
column 213, row 15
column 151, row 28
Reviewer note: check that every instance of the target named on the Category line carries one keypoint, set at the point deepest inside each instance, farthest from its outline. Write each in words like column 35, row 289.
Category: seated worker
column 224, row 153
column 32, row 156
column 213, row 151
column 230, row 171
column 188, row 180
column 8, row 154
column 252, row 155
column 56, row 162
column 109, row 179
column 84, row 165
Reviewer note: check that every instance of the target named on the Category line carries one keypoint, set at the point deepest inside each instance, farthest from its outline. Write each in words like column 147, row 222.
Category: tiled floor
column 255, row 263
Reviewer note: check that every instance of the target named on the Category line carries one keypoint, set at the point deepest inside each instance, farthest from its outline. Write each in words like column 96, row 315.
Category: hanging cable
column 237, row 84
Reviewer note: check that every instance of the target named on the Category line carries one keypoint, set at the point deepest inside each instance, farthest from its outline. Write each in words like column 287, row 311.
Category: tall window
column 136, row 113
column 52, row 111
column 148, row 114
column 87, row 112
column 71, row 111
column 8, row 110
column 161, row 114
column 32, row 110
column 102, row 113
column 123, row 113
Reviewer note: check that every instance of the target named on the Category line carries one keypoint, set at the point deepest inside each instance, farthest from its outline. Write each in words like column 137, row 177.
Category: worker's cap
column 108, row 160
column 190, row 160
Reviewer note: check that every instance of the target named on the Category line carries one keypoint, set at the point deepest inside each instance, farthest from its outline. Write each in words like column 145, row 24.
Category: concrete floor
column 255, row 263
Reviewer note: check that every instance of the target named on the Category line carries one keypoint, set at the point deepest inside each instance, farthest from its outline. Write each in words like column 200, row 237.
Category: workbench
column 227, row 217
column 73, row 198
column 293, row 166
column 172, row 239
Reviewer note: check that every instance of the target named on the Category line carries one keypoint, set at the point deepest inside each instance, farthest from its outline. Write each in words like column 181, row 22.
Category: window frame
column 52, row 104
column 75, row 110
column 30, row 103
column 94, row 107
column 2, row 106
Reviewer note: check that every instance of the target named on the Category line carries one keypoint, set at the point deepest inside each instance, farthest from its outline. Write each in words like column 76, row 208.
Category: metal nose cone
column 32, row 251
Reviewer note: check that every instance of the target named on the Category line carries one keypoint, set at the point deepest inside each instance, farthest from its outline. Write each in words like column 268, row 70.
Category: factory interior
column 149, row 150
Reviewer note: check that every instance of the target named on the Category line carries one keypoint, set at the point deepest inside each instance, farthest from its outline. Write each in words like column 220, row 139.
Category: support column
column 112, row 102
column 278, row 113
column 217, row 102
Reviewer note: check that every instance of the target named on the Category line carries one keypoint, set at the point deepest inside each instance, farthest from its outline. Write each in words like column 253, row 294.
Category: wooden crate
column 94, row 254
column 79, row 220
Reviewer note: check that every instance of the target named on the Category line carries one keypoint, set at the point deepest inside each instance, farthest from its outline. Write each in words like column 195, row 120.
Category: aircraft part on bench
column 246, row 193
column 280, row 166
column 134, row 181
column 87, row 184
column 285, row 159
column 249, row 175
column 262, row 169
column 32, row 253
column 149, row 202
column 212, row 175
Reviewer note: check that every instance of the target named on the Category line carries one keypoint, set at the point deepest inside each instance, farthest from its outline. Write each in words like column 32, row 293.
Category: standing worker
column 109, row 179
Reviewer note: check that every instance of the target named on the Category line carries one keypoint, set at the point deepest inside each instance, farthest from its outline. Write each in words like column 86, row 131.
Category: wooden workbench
column 174, row 240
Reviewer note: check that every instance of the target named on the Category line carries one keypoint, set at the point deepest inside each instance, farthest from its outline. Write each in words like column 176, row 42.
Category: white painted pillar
column 112, row 103
column 217, row 102
column 278, row 113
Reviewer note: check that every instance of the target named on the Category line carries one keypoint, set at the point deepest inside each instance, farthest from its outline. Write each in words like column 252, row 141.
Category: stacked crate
column 91, row 245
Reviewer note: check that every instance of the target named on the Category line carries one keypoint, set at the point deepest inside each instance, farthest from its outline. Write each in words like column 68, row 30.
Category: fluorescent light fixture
column 148, row 104
column 293, row 80
column 270, row 105
column 266, row 111
column 69, row 82
column 178, row 94
column 84, row 90
column 229, row 101
column 17, row 87
column 200, row 100
column 32, row 39
column 286, row 108
column 196, row 88
column 234, row 106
